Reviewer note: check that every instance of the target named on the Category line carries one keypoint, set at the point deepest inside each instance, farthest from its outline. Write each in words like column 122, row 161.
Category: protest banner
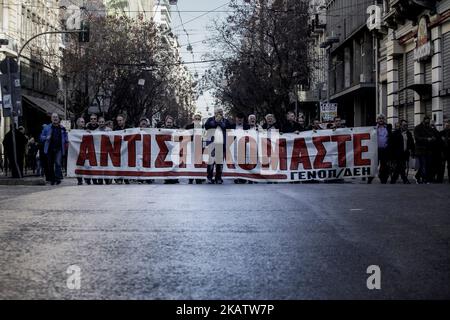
column 251, row 155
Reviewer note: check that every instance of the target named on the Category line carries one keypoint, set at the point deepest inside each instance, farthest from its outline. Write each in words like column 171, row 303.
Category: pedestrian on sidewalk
column 33, row 148
column 54, row 138
column 21, row 143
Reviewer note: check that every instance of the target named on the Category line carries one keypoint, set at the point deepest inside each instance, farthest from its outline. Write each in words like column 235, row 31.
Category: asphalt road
column 225, row 242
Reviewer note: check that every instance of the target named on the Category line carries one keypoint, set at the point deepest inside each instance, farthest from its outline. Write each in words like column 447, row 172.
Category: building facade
column 416, row 54
column 351, row 61
column 318, row 59
column 135, row 9
column 40, row 62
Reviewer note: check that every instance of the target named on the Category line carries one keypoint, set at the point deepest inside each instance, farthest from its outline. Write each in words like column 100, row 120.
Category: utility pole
column 11, row 99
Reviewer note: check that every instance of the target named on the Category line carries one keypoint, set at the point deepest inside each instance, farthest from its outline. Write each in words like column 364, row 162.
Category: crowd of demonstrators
column 428, row 147
column 396, row 146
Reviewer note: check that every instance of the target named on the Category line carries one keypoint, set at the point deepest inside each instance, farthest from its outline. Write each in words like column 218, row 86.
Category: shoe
column 80, row 183
column 210, row 181
column 219, row 181
column 53, row 183
column 58, row 183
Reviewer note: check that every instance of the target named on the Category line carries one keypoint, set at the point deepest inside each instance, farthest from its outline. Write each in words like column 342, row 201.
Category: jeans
column 423, row 174
column 55, row 165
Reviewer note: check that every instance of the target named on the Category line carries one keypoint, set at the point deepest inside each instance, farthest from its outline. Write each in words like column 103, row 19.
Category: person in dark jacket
column 315, row 126
column 402, row 147
column 120, row 123
column 425, row 136
column 291, row 126
column 54, row 136
column 196, row 124
column 169, row 123
column 271, row 123
column 32, row 151
column 93, row 124
column 239, row 123
column 445, row 138
column 302, row 122
column 21, row 143
column 437, row 156
column 217, row 122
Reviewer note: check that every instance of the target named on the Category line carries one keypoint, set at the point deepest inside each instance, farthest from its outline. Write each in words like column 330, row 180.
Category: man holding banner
column 219, row 125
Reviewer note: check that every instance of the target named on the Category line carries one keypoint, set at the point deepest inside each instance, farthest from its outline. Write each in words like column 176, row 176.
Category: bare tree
column 126, row 67
column 262, row 55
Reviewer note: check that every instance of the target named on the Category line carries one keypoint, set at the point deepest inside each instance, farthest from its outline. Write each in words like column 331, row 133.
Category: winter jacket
column 422, row 134
column 397, row 146
column 46, row 136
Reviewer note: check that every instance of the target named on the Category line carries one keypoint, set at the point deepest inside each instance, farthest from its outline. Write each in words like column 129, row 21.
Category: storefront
column 417, row 48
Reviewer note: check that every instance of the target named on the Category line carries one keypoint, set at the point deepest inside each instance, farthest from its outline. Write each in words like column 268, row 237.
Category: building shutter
column 446, row 107
column 410, row 115
column 428, row 108
column 428, row 75
column 410, row 75
column 446, row 59
column 401, row 112
column 401, row 79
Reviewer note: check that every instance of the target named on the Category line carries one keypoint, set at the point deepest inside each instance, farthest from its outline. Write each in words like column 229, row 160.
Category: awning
column 423, row 89
column 45, row 106
column 357, row 87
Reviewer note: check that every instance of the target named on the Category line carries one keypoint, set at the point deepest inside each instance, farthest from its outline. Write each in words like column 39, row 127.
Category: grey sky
column 198, row 32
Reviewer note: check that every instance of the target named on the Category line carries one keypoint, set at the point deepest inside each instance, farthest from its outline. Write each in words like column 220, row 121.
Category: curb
column 22, row 182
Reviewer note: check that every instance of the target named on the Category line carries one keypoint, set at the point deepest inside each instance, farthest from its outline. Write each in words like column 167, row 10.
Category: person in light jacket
column 54, row 138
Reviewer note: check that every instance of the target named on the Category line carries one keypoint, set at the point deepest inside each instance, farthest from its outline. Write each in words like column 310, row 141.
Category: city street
column 277, row 241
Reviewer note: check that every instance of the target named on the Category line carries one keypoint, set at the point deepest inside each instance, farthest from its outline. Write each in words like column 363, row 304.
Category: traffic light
column 84, row 34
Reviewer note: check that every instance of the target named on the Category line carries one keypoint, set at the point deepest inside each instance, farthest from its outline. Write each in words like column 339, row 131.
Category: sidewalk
column 25, row 181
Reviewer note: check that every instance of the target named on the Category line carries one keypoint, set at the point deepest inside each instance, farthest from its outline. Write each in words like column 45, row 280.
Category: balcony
column 402, row 10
